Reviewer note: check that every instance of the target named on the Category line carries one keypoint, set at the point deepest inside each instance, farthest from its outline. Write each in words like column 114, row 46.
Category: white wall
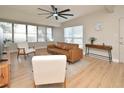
column 58, row 34
column 110, row 31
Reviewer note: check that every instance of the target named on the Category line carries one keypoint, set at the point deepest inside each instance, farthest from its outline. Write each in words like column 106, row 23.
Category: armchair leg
column 34, row 86
column 25, row 56
column 34, row 53
column 65, row 83
column 17, row 56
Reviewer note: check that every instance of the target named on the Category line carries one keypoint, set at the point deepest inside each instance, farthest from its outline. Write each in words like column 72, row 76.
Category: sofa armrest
column 75, row 54
column 51, row 46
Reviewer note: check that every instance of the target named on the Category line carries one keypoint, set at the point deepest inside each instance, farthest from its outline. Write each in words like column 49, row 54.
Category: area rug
column 76, row 68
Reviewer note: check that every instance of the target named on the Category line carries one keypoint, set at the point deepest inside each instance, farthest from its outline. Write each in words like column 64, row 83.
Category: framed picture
column 98, row 26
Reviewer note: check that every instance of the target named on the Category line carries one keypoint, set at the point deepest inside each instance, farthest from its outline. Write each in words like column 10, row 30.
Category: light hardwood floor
column 99, row 73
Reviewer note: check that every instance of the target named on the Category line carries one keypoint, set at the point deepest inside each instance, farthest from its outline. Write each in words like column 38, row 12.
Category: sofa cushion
column 60, row 46
column 68, row 47
column 59, row 51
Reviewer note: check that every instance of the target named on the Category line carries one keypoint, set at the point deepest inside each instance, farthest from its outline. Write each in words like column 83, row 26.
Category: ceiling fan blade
column 43, row 13
column 56, row 17
column 66, row 10
column 56, row 10
column 45, row 10
column 53, row 7
column 67, row 14
column 63, row 16
column 49, row 16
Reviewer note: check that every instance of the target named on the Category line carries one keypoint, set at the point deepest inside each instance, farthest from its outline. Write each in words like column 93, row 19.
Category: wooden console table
column 101, row 47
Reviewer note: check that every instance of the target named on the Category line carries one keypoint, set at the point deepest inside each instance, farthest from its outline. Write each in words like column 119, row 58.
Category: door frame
column 119, row 38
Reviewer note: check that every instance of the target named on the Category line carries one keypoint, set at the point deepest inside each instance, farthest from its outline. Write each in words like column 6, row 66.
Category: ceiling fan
column 56, row 13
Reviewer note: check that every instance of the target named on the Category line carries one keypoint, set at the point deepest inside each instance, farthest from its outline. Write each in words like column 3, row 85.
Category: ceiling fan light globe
column 55, row 14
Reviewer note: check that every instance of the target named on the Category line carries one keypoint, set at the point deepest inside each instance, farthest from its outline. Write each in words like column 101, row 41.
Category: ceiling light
column 55, row 14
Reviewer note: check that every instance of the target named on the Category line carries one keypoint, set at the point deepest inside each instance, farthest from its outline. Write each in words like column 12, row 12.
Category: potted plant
column 92, row 39
column 6, row 40
column 5, row 45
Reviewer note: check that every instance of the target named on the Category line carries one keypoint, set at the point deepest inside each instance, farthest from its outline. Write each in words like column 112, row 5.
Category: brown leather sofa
column 72, row 51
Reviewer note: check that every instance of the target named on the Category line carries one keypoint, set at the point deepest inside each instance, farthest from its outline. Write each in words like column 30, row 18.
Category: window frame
column 14, row 32
column 24, row 23
column 72, row 37
column 51, row 34
column 11, row 30
column 44, row 35
column 28, row 33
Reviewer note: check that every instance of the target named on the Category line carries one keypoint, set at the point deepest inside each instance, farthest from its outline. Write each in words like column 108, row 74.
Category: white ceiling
column 28, row 13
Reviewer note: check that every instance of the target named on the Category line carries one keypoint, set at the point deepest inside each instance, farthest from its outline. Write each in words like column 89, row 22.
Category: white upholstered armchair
column 49, row 69
column 24, row 49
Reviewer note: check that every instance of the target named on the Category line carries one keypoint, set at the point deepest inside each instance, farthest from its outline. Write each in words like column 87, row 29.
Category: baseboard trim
column 115, row 60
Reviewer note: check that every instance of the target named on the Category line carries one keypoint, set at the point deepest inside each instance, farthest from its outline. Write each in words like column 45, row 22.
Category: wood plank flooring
column 98, row 74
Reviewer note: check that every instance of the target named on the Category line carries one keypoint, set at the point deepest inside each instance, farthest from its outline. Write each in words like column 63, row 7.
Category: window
column 19, row 33
column 74, row 35
column 32, row 33
column 7, row 30
column 68, row 34
column 49, row 34
column 41, row 34
column 45, row 34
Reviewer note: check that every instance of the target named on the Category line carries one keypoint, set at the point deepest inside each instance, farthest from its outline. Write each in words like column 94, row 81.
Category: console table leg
column 110, row 56
column 86, row 51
